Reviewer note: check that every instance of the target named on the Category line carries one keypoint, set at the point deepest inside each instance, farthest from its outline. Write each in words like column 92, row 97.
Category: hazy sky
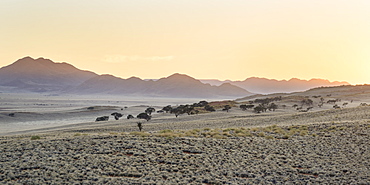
column 206, row 39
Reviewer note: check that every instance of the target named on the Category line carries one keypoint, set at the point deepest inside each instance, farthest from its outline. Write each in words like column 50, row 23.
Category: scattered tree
column 103, row 118
column 130, row 116
column 272, row 107
column 117, row 115
column 209, row 108
column 144, row 116
column 227, row 108
column 167, row 108
column 336, row 106
column 149, row 110
column 307, row 102
column 260, row 108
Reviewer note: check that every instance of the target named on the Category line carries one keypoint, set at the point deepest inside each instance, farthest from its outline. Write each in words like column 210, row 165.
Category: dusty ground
column 321, row 146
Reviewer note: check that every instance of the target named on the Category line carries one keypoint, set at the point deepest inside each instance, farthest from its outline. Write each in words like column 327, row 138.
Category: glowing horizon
column 204, row 39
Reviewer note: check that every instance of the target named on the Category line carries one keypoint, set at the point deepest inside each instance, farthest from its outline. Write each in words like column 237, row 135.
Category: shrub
column 285, row 137
column 166, row 131
column 35, row 137
column 142, row 134
column 269, row 137
column 303, row 133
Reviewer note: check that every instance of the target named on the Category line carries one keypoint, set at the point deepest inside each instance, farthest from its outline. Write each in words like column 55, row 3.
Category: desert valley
column 193, row 131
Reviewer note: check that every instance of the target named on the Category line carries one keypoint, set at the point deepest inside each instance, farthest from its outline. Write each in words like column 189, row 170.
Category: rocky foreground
column 335, row 153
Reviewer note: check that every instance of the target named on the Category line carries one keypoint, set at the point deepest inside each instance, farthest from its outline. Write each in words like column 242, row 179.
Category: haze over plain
column 204, row 39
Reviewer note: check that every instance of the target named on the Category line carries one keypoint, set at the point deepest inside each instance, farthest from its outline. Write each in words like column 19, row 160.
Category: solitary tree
column 140, row 125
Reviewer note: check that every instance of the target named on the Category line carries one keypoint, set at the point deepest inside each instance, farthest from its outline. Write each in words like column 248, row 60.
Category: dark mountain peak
column 106, row 76
column 27, row 58
column 226, row 85
column 259, row 79
column 179, row 78
column 134, row 78
column 41, row 73
column 295, row 80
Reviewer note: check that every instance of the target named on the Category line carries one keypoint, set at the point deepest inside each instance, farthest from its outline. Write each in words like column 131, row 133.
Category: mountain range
column 269, row 86
column 45, row 76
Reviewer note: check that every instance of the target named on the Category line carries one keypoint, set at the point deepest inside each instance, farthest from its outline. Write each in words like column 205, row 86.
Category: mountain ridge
column 45, row 76
column 269, row 86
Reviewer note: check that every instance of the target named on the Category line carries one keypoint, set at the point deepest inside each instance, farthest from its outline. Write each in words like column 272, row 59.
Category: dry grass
column 221, row 104
column 270, row 132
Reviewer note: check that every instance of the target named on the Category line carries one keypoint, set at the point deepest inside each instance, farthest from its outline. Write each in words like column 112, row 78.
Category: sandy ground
column 321, row 146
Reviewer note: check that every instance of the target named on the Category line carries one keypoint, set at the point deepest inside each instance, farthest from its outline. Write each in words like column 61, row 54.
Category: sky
column 206, row 39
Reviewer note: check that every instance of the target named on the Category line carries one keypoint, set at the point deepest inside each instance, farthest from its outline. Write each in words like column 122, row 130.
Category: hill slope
column 41, row 75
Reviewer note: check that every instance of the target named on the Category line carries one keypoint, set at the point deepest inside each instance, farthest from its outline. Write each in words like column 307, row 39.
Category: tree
column 103, row 118
column 178, row 111
column 272, row 107
column 167, row 108
column 117, row 115
column 307, row 102
column 149, row 110
column 260, row 108
column 243, row 107
column 209, row 108
column 144, row 116
column 130, row 116
column 200, row 104
column 140, row 125
column 188, row 109
column 227, row 108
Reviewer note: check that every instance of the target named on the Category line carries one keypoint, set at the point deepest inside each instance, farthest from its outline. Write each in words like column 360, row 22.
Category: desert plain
column 55, row 140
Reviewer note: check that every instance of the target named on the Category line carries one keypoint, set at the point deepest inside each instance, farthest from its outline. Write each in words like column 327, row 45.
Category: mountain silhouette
column 176, row 85
column 269, row 86
column 45, row 76
column 41, row 75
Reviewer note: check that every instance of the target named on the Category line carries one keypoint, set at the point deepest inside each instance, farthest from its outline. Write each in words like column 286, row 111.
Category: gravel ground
column 330, row 153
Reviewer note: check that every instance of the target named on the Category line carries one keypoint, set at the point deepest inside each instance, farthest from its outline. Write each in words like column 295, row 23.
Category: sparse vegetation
column 35, row 137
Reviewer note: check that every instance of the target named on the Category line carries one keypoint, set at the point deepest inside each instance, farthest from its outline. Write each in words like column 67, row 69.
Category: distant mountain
column 176, row 85
column 41, row 75
column 269, row 86
column 45, row 76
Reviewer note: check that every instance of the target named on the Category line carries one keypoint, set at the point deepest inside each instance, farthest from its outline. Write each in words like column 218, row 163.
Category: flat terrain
column 321, row 146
